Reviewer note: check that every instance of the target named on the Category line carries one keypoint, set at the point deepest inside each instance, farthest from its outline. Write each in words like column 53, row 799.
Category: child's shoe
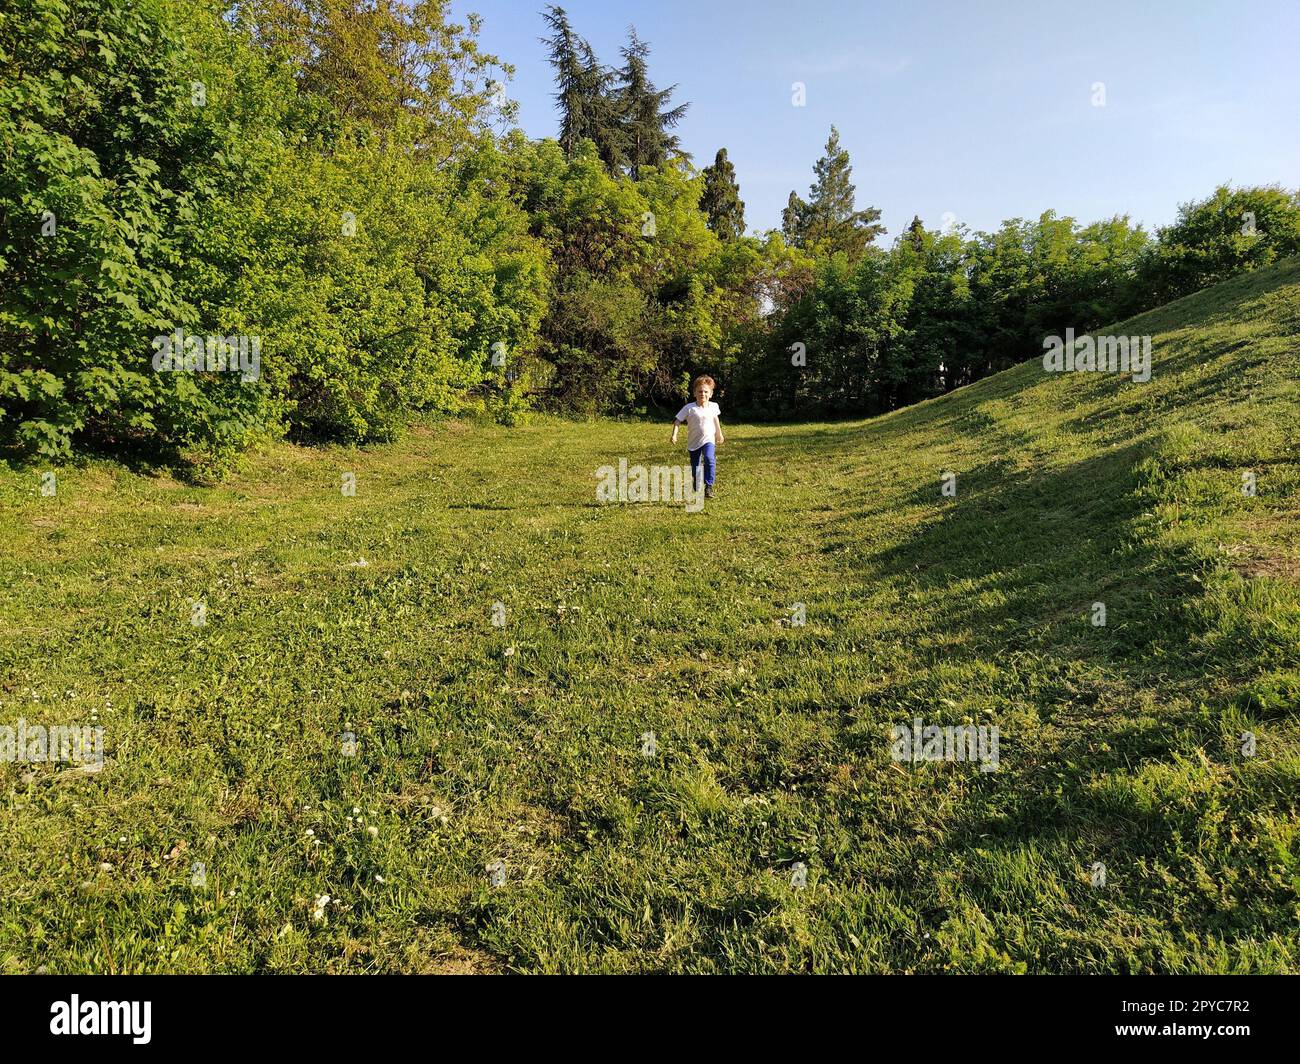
column 708, row 491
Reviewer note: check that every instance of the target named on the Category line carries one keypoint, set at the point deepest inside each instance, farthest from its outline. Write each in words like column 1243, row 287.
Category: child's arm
column 676, row 426
column 717, row 432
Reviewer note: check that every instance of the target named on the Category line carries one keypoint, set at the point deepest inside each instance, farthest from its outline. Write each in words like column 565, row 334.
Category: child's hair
column 703, row 380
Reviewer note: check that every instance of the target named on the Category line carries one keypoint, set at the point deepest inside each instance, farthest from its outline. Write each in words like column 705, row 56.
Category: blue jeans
column 703, row 454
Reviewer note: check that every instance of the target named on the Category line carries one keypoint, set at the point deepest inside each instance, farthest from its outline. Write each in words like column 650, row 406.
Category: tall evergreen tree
column 915, row 232
column 582, row 87
column 828, row 221
column 646, row 117
column 721, row 200
column 607, row 127
column 794, row 220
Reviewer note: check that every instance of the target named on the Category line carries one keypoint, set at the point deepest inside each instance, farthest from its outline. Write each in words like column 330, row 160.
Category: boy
column 703, row 431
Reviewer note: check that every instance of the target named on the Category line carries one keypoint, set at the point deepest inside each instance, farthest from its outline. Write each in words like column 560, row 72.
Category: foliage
column 1229, row 232
column 330, row 180
column 619, row 111
column 721, row 201
column 828, row 221
column 374, row 258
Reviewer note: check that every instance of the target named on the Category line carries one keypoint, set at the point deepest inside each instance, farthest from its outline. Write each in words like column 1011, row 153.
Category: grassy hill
column 1119, row 745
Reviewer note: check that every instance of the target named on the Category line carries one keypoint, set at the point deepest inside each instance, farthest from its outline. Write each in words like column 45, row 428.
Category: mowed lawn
column 230, row 803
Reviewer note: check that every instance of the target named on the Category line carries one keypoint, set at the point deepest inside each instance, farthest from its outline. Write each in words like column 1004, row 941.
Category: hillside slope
column 230, row 802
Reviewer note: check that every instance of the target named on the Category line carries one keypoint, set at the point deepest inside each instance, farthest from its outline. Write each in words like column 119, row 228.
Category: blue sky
column 978, row 111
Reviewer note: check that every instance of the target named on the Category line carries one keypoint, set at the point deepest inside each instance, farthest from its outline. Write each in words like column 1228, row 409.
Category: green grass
column 1119, row 744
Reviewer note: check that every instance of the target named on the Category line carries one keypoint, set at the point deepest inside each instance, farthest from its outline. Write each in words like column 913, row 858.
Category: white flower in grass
column 318, row 913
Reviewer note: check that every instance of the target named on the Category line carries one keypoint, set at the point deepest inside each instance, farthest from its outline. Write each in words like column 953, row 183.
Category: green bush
column 107, row 158
column 372, row 279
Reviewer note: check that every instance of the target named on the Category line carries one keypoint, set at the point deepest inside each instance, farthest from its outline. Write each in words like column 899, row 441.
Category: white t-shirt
column 701, row 424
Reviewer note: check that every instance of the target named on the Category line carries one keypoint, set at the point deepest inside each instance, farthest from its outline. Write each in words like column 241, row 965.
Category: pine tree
column 915, row 232
column 620, row 111
column 583, row 90
column 828, row 222
column 644, row 112
column 721, row 200
column 794, row 220
column 607, row 128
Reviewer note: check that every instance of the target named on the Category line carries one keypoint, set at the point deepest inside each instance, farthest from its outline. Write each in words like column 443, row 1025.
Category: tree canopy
column 336, row 187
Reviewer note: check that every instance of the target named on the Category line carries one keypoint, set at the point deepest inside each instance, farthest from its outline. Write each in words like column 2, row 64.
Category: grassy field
column 229, row 802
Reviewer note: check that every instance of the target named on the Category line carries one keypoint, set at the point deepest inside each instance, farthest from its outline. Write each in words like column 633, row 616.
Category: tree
column 107, row 188
column 381, row 64
column 916, row 233
column 937, row 332
column 607, row 128
column 591, row 107
column 721, row 200
column 832, row 219
column 643, row 111
column 794, row 220
column 582, row 87
column 620, row 111
column 828, row 221
column 364, row 262
column 1232, row 231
